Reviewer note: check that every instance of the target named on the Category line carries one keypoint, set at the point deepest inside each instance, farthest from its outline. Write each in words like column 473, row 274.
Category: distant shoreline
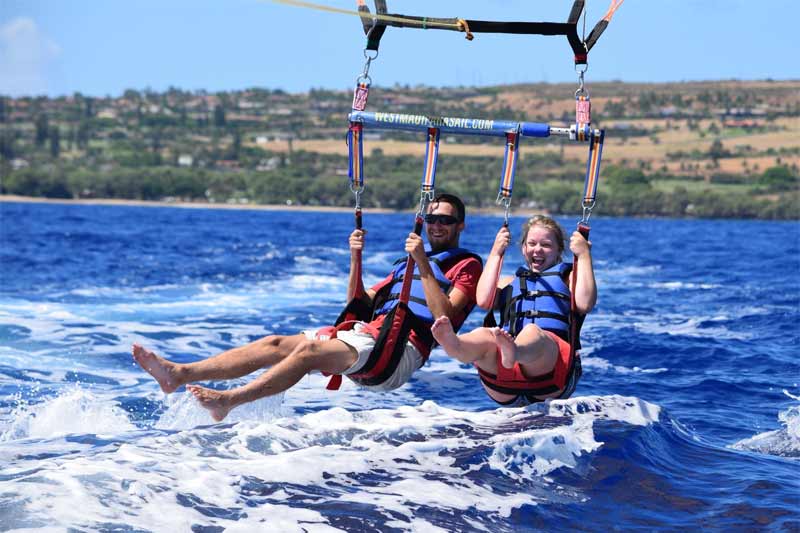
column 12, row 198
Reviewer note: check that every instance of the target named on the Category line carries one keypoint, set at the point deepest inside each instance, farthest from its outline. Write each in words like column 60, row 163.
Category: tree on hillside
column 7, row 138
column 42, row 129
column 718, row 150
column 621, row 178
column 219, row 116
column 83, row 134
column 779, row 178
column 55, row 142
column 236, row 145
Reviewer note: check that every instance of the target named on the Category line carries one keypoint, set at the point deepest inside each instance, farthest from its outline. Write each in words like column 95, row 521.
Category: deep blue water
column 688, row 414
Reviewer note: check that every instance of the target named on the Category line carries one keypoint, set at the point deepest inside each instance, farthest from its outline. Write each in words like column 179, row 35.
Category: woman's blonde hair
column 547, row 223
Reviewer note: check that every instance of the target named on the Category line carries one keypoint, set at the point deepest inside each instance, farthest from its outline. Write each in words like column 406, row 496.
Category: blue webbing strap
column 509, row 171
column 355, row 145
column 431, row 158
column 592, row 171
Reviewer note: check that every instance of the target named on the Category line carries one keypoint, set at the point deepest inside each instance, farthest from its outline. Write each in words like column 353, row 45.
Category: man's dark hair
column 455, row 201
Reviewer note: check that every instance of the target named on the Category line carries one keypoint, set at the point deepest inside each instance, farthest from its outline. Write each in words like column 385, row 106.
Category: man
column 444, row 284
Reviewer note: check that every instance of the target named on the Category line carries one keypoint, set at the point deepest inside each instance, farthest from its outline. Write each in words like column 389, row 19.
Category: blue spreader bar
column 464, row 126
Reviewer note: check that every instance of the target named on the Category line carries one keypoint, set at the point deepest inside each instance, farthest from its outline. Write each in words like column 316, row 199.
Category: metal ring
column 580, row 69
column 364, row 78
column 367, row 56
column 581, row 90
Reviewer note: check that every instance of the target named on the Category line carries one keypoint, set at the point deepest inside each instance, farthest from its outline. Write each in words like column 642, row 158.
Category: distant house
column 228, row 164
column 185, row 160
column 268, row 136
column 18, row 164
column 107, row 113
column 669, row 111
column 266, row 165
column 245, row 104
column 743, row 124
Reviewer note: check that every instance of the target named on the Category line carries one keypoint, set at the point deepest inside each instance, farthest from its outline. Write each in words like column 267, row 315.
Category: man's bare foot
column 442, row 331
column 215, row 401
column 163, row 371
column 508, row 350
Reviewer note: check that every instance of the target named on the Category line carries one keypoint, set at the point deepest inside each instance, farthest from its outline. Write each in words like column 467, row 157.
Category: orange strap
column 612, row 9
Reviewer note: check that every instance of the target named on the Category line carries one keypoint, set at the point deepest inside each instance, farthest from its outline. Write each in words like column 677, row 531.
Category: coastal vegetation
column 713, row 149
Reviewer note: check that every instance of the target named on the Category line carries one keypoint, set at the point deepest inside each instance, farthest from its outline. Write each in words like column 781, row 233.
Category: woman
column 528, row 358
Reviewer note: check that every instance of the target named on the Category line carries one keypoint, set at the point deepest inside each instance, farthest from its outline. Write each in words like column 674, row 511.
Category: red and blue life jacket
column 392, row 337
column 416, row 300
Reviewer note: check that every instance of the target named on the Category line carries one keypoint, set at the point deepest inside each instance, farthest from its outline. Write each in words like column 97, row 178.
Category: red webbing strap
column 573, row 312
column 401, row 309
column 355, row 153
column 408, row 276
column 334, row 383
column 399, row 315
column 359, row 292
column 336, row 379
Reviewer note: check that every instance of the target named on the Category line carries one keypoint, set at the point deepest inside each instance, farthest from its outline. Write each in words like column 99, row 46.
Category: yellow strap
column 387, row 18
column 463, row 26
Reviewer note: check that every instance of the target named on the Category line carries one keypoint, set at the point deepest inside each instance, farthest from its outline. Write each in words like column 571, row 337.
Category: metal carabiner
column 505, row 201
column 357, row 193
column 581, row 83
column 425, row 198
column 587, row 212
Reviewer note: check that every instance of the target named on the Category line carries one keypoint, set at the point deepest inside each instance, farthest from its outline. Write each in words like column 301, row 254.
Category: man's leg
column 230, row 364
column 332, row 356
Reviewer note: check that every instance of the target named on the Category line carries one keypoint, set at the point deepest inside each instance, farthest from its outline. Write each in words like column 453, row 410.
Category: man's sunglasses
column 445, row 220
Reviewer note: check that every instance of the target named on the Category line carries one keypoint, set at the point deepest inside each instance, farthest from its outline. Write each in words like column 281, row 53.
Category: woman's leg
column 471, row 347
column 532, row 348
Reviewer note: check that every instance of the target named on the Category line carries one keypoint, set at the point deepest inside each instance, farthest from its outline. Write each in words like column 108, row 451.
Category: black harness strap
column 537, row 293
column 374, row 28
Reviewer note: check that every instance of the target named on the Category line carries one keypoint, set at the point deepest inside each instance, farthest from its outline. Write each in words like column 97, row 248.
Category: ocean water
column 687, row 416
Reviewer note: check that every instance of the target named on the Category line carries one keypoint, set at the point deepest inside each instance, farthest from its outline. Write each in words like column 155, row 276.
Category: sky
column 102, row 47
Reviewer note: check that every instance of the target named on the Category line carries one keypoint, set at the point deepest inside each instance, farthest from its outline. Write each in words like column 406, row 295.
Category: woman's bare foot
column 443, row 332
column 508, row 350
column 216, row 402
column 163, row 371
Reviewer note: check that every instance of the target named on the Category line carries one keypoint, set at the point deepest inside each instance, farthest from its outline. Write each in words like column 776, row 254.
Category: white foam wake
column 277, row 474
column 783, row 442
column 74, row 411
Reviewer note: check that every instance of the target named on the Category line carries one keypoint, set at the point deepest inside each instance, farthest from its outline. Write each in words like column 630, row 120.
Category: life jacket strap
column 532, row 313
